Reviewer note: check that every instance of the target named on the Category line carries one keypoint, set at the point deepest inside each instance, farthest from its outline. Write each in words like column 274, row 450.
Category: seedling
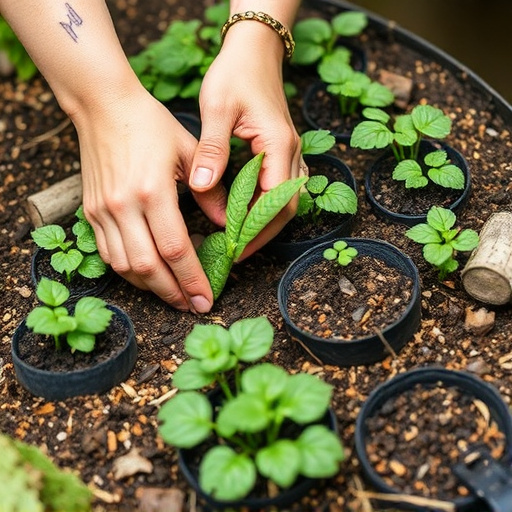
column 320, row 195
column 90, row 317
column 341, row 253
column 220, row 250
column 70, row 257
column 441, row 241
column 316, row 38
column 256, row 404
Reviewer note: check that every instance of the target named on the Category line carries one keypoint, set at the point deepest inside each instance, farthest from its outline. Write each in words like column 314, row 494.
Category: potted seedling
column 411, row 162
column 59, row 352
column 258, row 424
column 441, row 240
column 74, row 261
column 351, row 302
column 327, row 202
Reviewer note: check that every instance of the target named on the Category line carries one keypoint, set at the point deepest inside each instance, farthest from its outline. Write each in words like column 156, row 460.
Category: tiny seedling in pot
column 441, row 240
column 72, row 256
column 318, row 194
column 268, row 421
column 341, row 253
column 220, row 250
column 79, row 329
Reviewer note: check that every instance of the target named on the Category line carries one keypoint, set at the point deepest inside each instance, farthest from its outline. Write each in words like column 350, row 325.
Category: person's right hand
column 133, row 152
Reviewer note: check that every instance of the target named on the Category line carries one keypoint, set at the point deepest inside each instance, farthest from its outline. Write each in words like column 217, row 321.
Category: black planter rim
column 284, row 498
column 463, row 380
column 412, row 220
column 95, row 379
column 339, row 347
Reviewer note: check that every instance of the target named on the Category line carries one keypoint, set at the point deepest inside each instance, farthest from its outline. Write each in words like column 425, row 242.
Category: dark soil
column 372, row 296
column 89, row 434
column 419, row 435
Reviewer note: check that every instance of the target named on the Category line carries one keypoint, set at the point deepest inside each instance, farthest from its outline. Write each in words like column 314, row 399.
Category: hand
column 242, row 94
column 133, row 152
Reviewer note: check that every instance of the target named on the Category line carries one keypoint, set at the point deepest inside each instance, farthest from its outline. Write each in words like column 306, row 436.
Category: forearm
column 282, row 10
column 75, row 47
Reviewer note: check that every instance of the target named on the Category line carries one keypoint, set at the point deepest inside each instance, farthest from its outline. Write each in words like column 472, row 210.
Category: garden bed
column 90, row 434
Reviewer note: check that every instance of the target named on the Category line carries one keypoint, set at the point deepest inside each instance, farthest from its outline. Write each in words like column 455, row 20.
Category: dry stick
column 386, row 343
column 47, row 135
column 319, row 361
column 446, row 506
column 365, row 501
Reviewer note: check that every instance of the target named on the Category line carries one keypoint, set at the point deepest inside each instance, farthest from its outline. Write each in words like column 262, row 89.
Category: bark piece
column 400, row 86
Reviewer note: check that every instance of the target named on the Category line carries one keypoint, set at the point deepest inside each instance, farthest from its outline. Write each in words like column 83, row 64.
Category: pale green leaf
column 66, row 262
column 251, row 338
column 440, row 218
column 424, row 234
column 349, row 23
column 280, row 462
column 316, row 184
column 467, row 240
column 49, row 237
column 264, row 380
column 92, row 315
column 92, row 266
column 448, row 176
column 81, row 341
column 436, row 158
column 376, row 114
column 244, row 413
column 190, row 375
column 316, row 142
column 51, row 293
column 371, row 135
column 431, row 121
column 338, row 198
column 437, row 254
column 376, row 95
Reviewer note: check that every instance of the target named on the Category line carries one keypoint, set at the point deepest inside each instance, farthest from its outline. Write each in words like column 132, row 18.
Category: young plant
column 90, row 317
column 268, row 421
column 316, row 38
column 341, row 253
column 441, row 241
column 220, row 250
column 31, row 482
column 70, row 257
column 320, row 195
column 353, row 88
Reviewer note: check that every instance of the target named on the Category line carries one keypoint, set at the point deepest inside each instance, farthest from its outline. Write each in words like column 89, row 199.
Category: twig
column 365, row 501
column 419, row 501
column 320, row 362
column 47, row 135
column 385, row 342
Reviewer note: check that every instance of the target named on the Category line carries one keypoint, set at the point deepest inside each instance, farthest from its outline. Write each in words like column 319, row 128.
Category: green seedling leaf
column 346, row 256
column 441, row 219
column 314, row 30
column 316, row 142
column 317, row 184
column 339, row 54
column 264, row 380
column 431, row 121
column 85, row 238
column 227, row 475
column 350, row 23
column 424, row 234
column 436, row 158
column 165, row 91
column 50, row 237
column 92, row 266
column 66, row 262
column 330, row 254
column 190, row 376
column 51, row 322
column 371, row 135
column 92, row 315
column 376, row 95
column 186, row 419
column 376, row 114
column 448, row 176
column 467, row 240
column 405, row 132
column 410, row 172
column 51, row 292
column 281, row 462
column 339, row 73
column 437, row 254
column 321, row 452
column 338, row 197
column 251, row 338
column 306, row 204
column 82, row 341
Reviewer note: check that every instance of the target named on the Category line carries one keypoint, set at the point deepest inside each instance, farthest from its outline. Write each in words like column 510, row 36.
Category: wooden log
column 51, row 205
column 487, row 275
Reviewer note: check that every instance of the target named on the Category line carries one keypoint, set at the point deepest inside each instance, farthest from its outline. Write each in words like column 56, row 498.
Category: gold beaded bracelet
column 284, row 33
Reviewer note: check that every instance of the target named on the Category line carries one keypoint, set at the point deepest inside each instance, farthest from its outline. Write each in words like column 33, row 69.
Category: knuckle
column 120, row 267
column 174, row 252
column 211, row 147
column 143, row 267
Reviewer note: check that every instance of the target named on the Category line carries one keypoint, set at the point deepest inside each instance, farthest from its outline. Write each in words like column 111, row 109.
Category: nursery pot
column 385, row 165
column 362, row 350
column 286, row 250
column 431, row 377
column 189, row 465
column 57, row 385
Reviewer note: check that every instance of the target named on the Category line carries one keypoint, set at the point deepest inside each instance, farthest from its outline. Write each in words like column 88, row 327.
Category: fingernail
column 202, row 177
column 201, row 304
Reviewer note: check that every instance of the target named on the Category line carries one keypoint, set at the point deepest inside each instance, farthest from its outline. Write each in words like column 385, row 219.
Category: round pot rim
column 463, row 380
column 413, row 219
column 369, row 241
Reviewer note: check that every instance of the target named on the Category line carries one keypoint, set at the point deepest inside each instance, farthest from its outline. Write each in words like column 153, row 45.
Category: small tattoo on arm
column 74, row 20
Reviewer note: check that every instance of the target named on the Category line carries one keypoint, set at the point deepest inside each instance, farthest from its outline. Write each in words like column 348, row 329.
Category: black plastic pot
column 285, row 250
column 430, row 376
column 408, row 219
column 78, row 288
column 358, row 351
column 285, row 497
column 96, row 379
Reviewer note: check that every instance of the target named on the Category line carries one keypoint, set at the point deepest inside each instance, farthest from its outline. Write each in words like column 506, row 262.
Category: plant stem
column 58, row 344
column 221, row 379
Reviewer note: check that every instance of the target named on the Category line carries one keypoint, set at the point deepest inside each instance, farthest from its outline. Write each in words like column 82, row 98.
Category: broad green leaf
column 371, row 135
column 436, row 158
column 448, row 176
column 321, row 452
column 190, row 375
column 183, row 31
column 305, row 398
column 51, row 293
column 264, row 380
column 346, row 256
column 186, row 419
column 92, row 315
column 42, row 320
column 339, row 245
column 339, row 73
column 347, row 89
column 449, row 266
column 376, row 95
column 240, row 196
column 244, row 413
column 312, row 30
column 316, row 184
column 165, row 89
column 81, row 341
column 280, row 462
column 405, row 133
column 316, row 142
column 217, row 13
column 49, row 237
column 431, row 121
column 227, row 475
column 306, row 203
column 437, row 254
column 251, row 338
column 376, row 114
column 191, row 89
column 406, row 139
column 307, row 53
column 265, row 209
column 66, row 262
column 85, row 238
column 349, row 23
column 212, row 254
column 467, row 240
column 410, row 172
column 424, row 234
column 92, row 266
column 330, row 254
column 440, row 218
column 338, row 55
column 338, row 198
